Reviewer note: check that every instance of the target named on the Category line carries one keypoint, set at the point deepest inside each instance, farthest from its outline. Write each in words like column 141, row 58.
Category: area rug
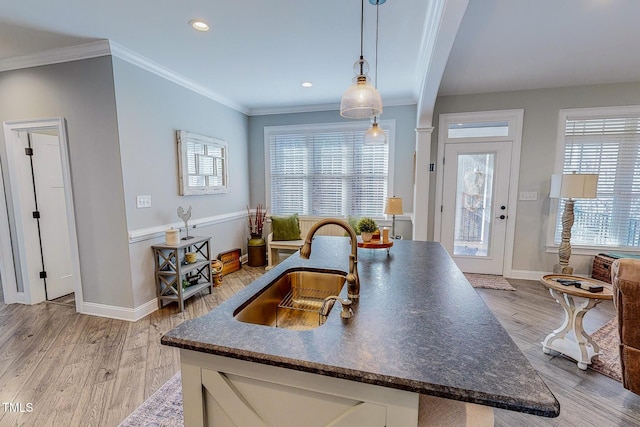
column 488, row 281
column 162, row 409
column 608, row 363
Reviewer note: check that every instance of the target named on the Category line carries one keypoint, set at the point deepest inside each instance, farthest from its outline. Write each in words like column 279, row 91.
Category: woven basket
column 602, row 268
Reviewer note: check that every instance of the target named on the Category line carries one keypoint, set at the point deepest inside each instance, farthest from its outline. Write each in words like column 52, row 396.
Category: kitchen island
column 419, row 328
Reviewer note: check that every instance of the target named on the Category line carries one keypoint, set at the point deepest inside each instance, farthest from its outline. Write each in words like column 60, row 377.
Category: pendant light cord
column 375, row 118
column 377, row 24
column 361, row 35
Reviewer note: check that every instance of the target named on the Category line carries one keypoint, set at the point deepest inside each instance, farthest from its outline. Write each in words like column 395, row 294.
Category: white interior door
column 475, row 204
column 54, row 233
column 20, row 235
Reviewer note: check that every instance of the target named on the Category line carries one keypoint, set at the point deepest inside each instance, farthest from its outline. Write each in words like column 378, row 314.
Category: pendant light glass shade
column 361, row 100
column 374, row 135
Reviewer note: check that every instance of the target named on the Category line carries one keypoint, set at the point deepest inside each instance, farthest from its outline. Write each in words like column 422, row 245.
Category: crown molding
column 105, row 48
column 322, row 107
column 155, row 68
column 57, row 56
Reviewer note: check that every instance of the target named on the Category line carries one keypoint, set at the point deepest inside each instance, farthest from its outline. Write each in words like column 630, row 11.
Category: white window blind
column 608, row 146
column 327, row 172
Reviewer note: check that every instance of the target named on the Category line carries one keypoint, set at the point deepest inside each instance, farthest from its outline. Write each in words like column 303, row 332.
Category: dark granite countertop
column 419, row 326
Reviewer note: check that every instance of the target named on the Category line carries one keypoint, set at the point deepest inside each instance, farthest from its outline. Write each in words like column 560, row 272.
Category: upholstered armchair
column 625, row 278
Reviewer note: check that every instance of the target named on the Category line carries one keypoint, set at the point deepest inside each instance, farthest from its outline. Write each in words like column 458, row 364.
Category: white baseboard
column 17, row 298
column 525, row 274
column 120, row 313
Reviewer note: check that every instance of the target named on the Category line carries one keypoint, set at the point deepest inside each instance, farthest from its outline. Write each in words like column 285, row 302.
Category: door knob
column 503, row 207
column 501, row 216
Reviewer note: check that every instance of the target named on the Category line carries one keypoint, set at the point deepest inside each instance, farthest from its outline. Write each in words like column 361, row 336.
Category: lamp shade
column 574, row 186
column 374, row 135
column 393, row 206
column 361, row 100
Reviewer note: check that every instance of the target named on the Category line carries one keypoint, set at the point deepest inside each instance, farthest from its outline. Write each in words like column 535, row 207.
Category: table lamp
column 570, row 186
column 393, row 207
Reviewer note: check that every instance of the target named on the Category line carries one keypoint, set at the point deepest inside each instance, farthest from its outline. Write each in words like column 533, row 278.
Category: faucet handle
column 346, row 312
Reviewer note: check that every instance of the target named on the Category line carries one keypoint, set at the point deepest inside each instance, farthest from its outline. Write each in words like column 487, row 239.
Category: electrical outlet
column 143, row 201
column 528, row 195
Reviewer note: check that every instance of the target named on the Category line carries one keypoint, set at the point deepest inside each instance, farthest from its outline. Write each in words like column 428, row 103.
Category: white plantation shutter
column 327, row 171
column 608, row 146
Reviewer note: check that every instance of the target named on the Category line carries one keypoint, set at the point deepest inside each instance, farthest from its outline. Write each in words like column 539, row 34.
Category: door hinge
column 43, row 274
column 441, row 208
column 432, row 167
column 28, row 151
column 36, row 214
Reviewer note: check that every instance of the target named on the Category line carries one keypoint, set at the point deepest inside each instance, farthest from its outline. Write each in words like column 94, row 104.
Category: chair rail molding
column 158, row 231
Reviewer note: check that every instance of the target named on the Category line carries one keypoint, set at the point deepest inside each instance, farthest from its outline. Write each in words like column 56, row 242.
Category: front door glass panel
column 474, row 199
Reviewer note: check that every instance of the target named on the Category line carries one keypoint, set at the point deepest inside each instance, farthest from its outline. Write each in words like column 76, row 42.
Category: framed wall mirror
column 203, row 164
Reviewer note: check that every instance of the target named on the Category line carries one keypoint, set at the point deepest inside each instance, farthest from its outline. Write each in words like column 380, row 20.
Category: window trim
column 581, row 113
column 389, row 125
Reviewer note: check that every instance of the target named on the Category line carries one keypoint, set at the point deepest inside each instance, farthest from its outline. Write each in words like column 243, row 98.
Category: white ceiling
column 506, row 45
column 258, row 53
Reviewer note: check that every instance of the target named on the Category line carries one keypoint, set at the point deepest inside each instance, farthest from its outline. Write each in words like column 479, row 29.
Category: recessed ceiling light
column 307, row 84
column 199, row 25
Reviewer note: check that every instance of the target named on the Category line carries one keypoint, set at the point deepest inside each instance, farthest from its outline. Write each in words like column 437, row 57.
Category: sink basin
column 292, row 301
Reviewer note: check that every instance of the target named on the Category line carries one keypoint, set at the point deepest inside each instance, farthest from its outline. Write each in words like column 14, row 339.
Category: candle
column 172, row 237
column 190, row 257
column 385, row 235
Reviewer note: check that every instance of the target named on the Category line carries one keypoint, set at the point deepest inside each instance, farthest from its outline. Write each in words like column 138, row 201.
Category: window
column 477, row 130
column 606, row 142
column 325, row 170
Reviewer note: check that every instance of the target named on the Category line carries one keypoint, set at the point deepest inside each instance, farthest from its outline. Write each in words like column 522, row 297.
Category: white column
column 421, row 183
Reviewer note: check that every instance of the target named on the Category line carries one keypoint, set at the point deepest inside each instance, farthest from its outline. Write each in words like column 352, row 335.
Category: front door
column 475, row 204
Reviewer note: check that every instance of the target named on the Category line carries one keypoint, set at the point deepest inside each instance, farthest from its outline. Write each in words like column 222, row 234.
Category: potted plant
column 256, row 221
column 366, row 227
column 257, row 254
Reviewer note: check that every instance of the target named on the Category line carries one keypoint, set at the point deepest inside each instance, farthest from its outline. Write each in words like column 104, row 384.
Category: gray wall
column 83, row 93
column 150, row 110
column 405, row 117
column 116, row 155
column 541, row 108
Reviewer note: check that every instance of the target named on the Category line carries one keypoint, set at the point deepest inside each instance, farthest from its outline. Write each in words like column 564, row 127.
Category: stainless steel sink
column 292, row 301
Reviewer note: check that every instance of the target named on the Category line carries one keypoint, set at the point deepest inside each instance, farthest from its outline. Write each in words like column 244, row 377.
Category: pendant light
column 375, row 135
column 361, row 100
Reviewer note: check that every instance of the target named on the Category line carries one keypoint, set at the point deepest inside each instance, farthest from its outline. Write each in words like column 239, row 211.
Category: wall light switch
column 143, row 201
column 528, row 195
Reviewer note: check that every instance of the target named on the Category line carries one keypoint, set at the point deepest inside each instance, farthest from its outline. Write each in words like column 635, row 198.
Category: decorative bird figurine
column 185, row 217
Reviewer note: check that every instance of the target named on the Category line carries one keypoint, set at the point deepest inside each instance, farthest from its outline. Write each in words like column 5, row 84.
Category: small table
column 171, row 269
column 570, row 338
column 375, row 244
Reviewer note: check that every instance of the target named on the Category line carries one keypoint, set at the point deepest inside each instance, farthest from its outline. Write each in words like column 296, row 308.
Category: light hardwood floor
column 79, row 370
